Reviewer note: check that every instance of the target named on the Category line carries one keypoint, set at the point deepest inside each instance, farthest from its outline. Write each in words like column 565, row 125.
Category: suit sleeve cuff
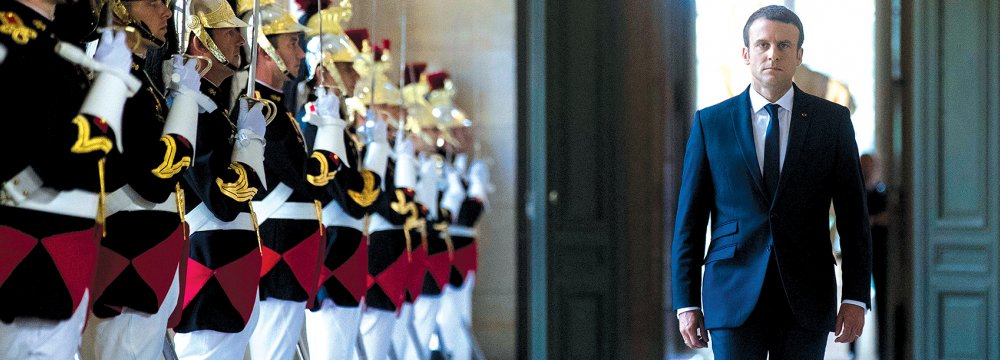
column 686, row 309
column 857, row 303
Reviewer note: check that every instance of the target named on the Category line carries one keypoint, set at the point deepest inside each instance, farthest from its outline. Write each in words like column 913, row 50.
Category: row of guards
column 281, row 197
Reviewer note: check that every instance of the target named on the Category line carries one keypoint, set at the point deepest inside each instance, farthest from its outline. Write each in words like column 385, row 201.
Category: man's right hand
column 692, row 325
column 251, row 117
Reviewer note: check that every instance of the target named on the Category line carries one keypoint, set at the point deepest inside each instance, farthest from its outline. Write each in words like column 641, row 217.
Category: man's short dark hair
column 774, row 13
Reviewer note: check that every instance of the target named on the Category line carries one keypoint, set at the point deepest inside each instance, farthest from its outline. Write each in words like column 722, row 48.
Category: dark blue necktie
column 772, row 151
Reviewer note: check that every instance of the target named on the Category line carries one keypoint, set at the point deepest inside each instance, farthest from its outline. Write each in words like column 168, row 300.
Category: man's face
column 348, row 74
column 153, row 13
column 229, row 41
column 773, row 54
column 287, row 46
column 389, row 112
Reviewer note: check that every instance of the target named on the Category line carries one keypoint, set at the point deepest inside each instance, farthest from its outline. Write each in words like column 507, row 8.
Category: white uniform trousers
column 376, row 332
column 214, row 345
column 456, row 311
column 132, row 334
column 278, row 329
column 402, row 340
column 425, row 311
column 332, row 331
column 32, row 338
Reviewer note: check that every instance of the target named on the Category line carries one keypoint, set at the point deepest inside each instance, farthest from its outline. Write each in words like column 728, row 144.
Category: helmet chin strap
column 275, row 57
column 209, row 43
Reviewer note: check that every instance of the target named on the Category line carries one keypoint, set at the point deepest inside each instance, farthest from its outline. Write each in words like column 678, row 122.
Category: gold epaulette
column 239, row 190
column 11, row 25
column 325, row 175
column 84, row 142
column 369, row 191
column 169, row 167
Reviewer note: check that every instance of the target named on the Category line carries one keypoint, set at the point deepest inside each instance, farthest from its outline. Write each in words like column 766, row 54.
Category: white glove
column 406, row 162
column 327, row 104
column 184, row 82
column 330, row 127
column 249, row 145
column 427, row 187
column 378, row 149
column 454, row 195
column 180, row 74
column 479, row 181
column 112, row 52
column 252, row 118
column 462, row 164
column 379, row 132
column 106, row 98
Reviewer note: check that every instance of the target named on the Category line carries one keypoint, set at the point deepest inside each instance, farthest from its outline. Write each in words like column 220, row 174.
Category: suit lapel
column 744, row 135
column 796, row 137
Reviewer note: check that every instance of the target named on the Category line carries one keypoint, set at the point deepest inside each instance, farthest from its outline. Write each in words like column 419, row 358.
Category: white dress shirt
column 760, row 120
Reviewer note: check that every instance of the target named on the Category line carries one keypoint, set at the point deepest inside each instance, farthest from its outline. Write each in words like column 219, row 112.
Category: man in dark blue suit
column 765, row 166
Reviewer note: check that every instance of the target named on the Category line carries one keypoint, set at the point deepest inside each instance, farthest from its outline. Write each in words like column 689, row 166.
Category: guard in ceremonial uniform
column 466, row 204
column 390, row 244
column 419, row 313
column 332, row 324
column 287, row 212
column 219, row 300
column 465, row 200
column 51, row 197
column 136, row 286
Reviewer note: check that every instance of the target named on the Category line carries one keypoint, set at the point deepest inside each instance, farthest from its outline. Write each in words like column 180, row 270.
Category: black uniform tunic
column 292, row 246
column 345, row 266
column 49, row 257
column 142, row 248
column 389, row 257
column 223, row 265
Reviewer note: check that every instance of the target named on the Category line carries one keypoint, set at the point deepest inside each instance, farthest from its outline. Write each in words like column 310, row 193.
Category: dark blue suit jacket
column 722, row 180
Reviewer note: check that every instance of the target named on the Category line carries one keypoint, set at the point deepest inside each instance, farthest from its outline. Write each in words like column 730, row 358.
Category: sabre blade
column 182, row 37
column 322, row 51
column 255, row 33
column 371, row 69
column 402, row 72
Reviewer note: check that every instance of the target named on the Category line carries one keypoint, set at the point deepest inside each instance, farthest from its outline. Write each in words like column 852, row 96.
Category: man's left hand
column 850, row 323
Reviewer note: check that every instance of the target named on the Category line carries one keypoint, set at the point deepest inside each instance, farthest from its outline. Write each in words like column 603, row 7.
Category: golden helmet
column 334, row 45
column 415, row 89
column 441, row 98
column 332, row 18
column 140, row 37
column 244, row 6
column 374, row 73
column 274, row 20
column 212, row 14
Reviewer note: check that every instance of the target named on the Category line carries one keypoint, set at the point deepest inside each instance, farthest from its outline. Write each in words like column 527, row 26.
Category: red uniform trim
column 353, row 273
column 75, row 256
column 466, row 260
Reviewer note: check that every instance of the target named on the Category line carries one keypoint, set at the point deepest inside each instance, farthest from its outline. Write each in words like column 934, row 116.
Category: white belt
column 78, row 203
column 334, row 215
column 202, row 219
column 294, row 211
column 266, row 208
column 126, row 199
column 463, row 231
column 25, row 191
column 379, row 223
column 20, row 187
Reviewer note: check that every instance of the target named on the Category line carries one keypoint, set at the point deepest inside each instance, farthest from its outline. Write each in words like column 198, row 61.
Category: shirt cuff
column 852, row 302
column 686, row 309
